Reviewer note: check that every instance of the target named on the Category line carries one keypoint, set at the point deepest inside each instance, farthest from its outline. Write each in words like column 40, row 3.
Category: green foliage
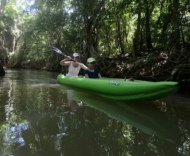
column 110, row 27
column 2, row 25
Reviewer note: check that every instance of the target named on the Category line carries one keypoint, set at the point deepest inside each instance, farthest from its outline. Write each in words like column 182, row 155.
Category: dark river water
column 39, row 117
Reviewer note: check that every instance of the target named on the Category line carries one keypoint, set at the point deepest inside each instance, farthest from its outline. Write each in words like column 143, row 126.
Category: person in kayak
column 73, row 64
column 92, row 72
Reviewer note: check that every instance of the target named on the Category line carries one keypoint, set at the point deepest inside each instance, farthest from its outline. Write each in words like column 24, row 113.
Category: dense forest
column 145, row 39
column 142, row 39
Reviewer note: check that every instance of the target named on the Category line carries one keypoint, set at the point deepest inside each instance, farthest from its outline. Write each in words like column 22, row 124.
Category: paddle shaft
column 61, row 53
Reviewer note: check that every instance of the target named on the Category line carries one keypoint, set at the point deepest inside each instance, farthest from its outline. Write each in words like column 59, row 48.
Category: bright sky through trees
column 25, row 5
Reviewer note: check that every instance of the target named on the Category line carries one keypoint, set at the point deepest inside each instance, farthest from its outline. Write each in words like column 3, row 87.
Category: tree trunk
column 164, row 29
column 147, row 26
column 91, row 23
column 90, row 51
column 137, row 32
column 119, row 35
column 2, row 5
column 175, row 37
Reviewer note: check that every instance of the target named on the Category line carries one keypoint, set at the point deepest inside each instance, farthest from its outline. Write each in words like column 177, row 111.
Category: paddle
column 60, row 52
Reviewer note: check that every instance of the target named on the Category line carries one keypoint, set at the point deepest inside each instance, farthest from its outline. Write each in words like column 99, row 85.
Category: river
column 39, row 117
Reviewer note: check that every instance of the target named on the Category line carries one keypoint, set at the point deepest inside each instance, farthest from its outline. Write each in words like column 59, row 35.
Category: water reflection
column 143, row 115
column 42, row 118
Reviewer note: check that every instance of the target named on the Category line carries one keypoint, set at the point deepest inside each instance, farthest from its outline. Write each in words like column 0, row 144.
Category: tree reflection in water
column 85, row 131
column 49, row 126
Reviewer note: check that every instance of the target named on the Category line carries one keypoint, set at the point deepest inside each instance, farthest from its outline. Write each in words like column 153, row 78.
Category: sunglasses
column 92, row 62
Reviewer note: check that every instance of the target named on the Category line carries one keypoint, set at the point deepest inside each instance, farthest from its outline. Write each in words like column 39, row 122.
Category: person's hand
column 69, row 58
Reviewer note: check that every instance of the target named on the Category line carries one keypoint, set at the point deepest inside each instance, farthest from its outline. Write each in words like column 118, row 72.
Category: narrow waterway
column 39, row 117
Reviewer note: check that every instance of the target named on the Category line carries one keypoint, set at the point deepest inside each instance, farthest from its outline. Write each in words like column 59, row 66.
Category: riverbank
column 158, row 66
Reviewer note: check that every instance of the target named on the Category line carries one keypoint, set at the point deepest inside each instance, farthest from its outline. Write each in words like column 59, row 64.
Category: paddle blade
column 60, row 52
column 57, row 50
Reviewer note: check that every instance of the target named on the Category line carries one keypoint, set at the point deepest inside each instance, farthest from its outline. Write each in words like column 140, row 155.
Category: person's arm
column 99, row 75
column 98, row 72
column 86, row 74
column 83, row 66
column 65, row 61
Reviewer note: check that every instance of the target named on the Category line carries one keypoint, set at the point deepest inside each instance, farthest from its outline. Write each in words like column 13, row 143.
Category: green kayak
column 120, row 89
